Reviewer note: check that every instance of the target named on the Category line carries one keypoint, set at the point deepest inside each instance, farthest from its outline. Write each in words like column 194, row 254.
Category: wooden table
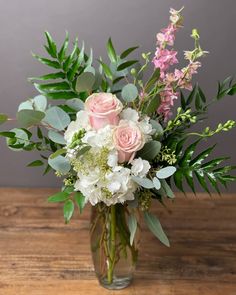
column 40, row 255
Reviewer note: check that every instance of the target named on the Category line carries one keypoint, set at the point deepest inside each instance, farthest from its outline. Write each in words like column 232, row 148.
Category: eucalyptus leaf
column 157, row 126
column 28, row 118
column 157, row 183
column 167, row 189
column 26, row 105
column 132, row 224
column 129, row 92
column 60, row 164
column 85, row 82
column 76, row 104
column 165, row 172
column 155, row 227
column 40, row 103
column 57, row 118
column 144, row 182
column 150, row 150
column 20, row 139
column 56, row 137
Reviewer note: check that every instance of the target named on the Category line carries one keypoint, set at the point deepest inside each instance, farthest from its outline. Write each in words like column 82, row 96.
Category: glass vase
column 114, row 251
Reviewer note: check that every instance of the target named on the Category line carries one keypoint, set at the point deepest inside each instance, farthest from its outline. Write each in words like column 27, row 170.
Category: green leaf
column 28, row 118
column 7, row 134
column 152, row 105
column 60, row 164
column 191, row 95
column 111, row 51
column 167, row 189
column 68, row 210
column 125, row 53
column 52, row 48
column 178, row 178
column 52, row 76
column 150, row 150
column 3, row 118
column 56, row 137
column 35, row 163
column 55, row 117
column 74, row 68
column 157, row 183
column 62, row 95
column 106, row 70
column 57, row 153
column 62, row 52
column 85, row 82
column 52, row 87
column 58, row 197
column 182, row 99
column 48, row 62
column 129, row 92
column 201, row 157
column 80, row 201
column 153, row 80
column 188, row 154
column 201, row 179
column 39, row 133
column 144, row 182
column 165, row 172
column 126, row 65
column 155, row 227
column 132, row 225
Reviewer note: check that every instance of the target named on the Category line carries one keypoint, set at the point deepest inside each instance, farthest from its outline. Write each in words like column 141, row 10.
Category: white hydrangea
column 140, row 167
column 116, row 187
column 81, row 122
column 99, row 138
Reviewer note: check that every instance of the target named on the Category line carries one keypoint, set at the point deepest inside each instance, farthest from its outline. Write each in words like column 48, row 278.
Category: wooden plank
column 39, row 254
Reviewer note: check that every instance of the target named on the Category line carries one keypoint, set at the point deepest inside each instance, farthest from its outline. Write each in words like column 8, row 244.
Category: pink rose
column 128, row 139
column 103, row 109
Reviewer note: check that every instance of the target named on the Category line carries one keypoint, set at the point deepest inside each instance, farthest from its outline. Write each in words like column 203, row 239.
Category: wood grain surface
column 40, row 255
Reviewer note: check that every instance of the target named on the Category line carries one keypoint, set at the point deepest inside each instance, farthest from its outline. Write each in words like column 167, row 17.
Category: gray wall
column 22, row 24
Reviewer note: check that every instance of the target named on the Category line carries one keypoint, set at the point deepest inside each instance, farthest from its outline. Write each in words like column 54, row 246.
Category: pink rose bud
column 103, row 109
column 128, row 139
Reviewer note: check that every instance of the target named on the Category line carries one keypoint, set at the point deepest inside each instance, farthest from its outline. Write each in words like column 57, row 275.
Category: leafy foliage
column 206, row 173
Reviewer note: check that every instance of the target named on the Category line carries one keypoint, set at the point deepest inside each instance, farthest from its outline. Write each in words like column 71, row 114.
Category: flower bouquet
column 110, row 135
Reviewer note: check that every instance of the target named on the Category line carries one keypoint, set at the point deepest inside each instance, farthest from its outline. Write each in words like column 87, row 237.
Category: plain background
column 22, row 23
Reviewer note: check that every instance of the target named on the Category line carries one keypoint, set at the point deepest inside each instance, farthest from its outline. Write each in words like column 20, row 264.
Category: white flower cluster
column 100, row 175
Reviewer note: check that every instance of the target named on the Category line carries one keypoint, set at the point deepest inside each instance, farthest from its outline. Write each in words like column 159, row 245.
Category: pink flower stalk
column 167, row 101
column 163, row 59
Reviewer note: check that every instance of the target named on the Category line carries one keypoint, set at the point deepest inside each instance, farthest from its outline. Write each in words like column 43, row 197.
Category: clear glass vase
column 114, row 256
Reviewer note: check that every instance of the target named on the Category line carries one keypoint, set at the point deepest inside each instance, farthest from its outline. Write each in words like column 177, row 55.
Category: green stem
column 112, row 244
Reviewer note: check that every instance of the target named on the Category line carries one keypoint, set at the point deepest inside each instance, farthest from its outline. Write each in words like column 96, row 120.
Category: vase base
column 117, row 283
